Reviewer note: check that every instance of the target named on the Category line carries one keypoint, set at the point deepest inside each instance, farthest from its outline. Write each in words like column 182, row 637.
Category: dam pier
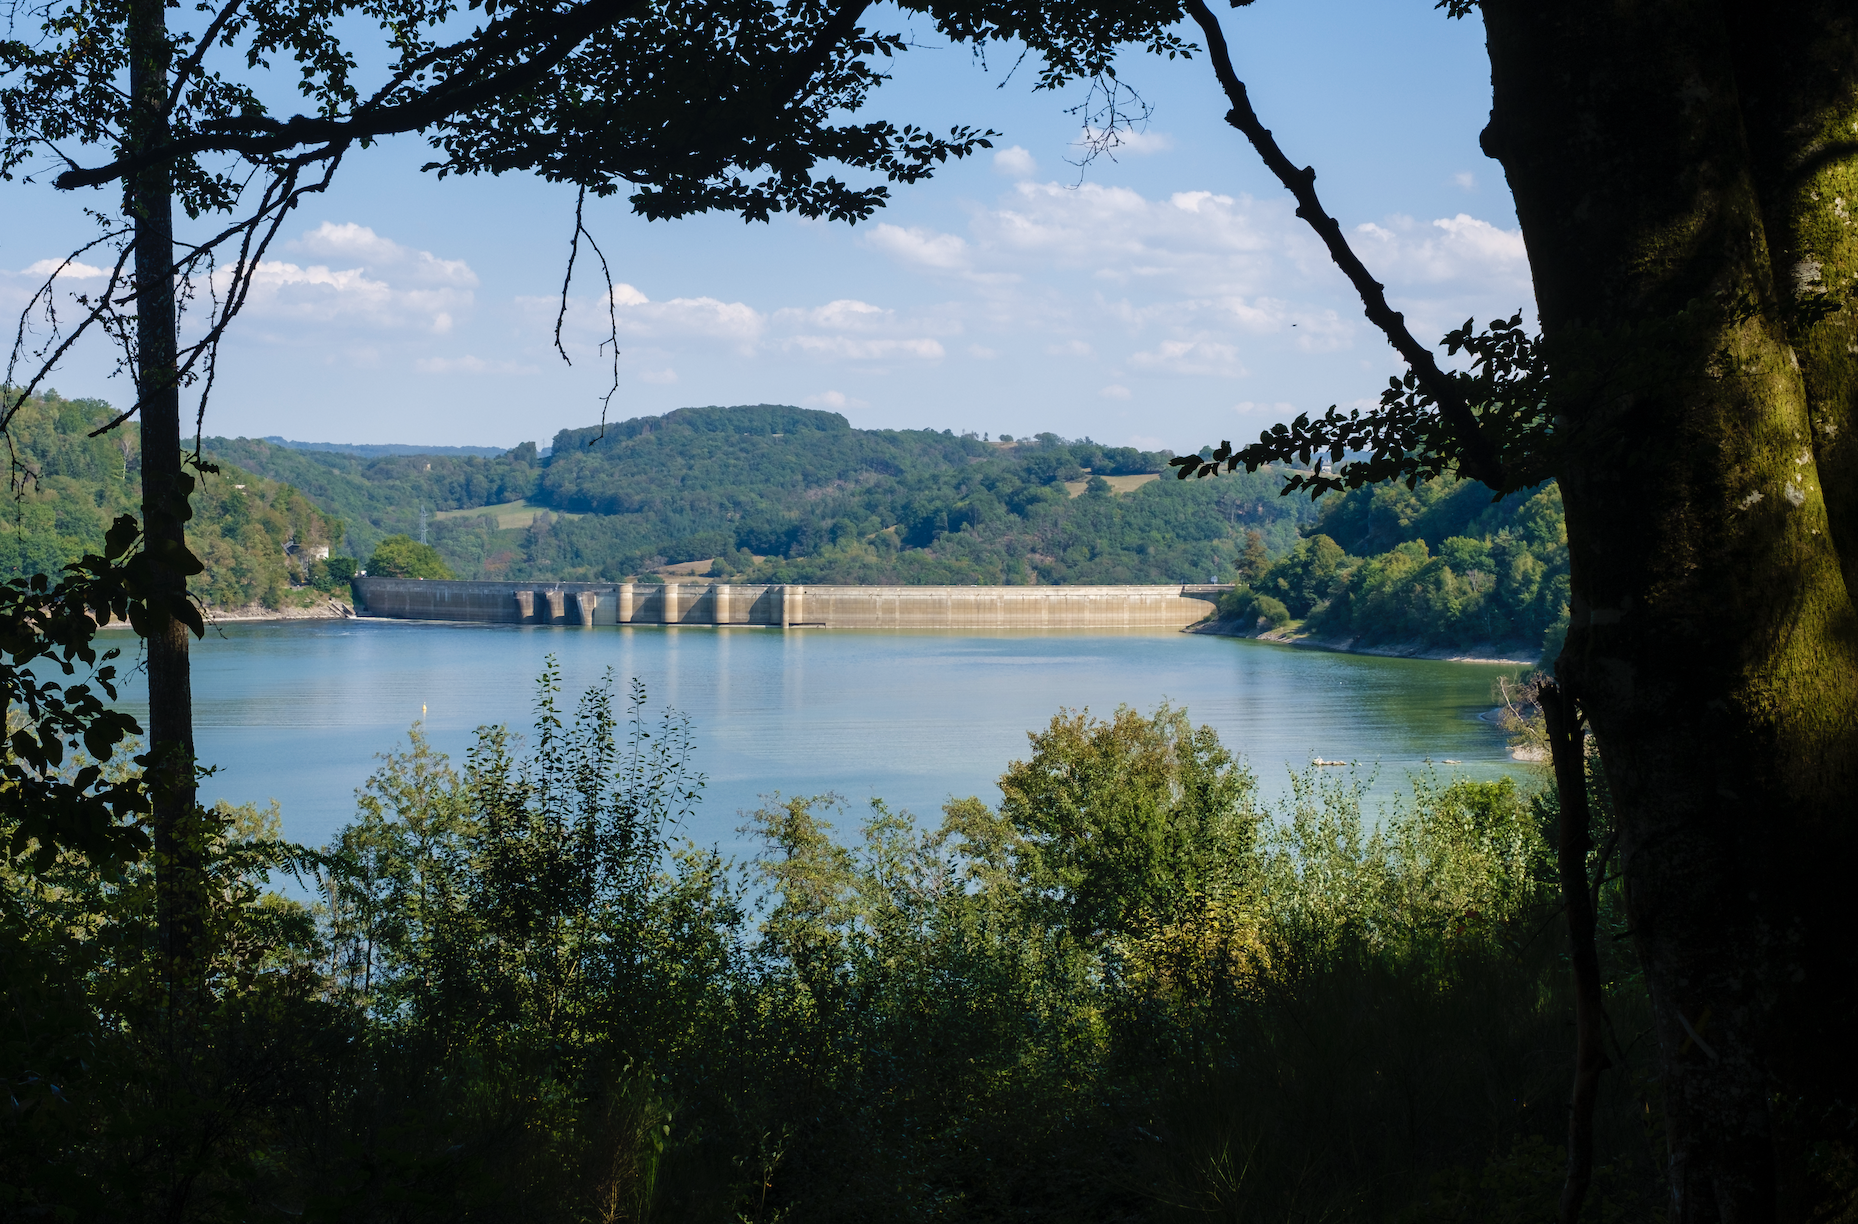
column 590, row 604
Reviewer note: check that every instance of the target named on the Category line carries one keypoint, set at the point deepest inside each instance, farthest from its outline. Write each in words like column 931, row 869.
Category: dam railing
column 1174, row 606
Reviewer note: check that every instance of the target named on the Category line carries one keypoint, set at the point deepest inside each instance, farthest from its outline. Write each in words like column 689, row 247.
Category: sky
column 1165, row 296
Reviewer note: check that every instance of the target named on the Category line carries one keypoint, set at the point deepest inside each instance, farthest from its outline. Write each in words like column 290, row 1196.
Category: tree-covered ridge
column 261, row 541
column 786, row 494
column 781, row 494
column 382, row 495
column 1439, row 565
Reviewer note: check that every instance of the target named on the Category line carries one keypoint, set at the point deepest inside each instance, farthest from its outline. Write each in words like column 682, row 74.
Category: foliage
column 62, row 786
column 1133, row 991
column 1410, row 437
column 399, row 556
column 794, row 495
column 1130, row 819
column 1367, row 572
column 258, row 541
column 382, row 495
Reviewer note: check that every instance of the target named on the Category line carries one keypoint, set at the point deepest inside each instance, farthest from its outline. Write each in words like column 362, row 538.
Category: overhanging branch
column 1480, row 460
column 262, row 136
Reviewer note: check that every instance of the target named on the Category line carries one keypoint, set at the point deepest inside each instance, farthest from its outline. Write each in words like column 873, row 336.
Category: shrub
column 400, row 556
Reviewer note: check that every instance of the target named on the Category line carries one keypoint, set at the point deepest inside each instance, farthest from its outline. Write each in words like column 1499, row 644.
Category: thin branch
column 45, row 291
column 612, row 310
column 1567, row 748
column 1481, row 462
column 612, row 333
column 191, row 64
column 567, row 277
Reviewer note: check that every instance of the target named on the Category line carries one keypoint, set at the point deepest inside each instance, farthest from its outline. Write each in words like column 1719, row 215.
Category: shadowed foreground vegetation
column 1133, row 991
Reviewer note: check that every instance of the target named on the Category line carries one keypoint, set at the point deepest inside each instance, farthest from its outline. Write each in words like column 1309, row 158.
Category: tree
column 1684, row 176
column 400, row 556
column 697, row 106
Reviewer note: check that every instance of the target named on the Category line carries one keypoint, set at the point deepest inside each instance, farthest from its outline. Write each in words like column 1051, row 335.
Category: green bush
column 399, row 556
column 1271, row 611
column 1132, row 991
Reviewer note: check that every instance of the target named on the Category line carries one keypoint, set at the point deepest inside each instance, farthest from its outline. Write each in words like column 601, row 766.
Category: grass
column 1118, row 484
column 508, row 515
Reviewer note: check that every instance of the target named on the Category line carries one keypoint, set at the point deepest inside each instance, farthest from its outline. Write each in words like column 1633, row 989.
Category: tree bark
column 1713, row 639
column 165, row 489
column 1797, row 69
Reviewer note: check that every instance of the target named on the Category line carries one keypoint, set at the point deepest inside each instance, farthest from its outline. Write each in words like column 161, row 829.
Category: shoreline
column 330, row 609
column 1503, row 653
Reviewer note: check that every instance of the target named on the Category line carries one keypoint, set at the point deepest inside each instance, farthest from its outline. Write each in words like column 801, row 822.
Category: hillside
column 1439, row 566
column 789, row 494
column 263, row 542
column 782, row 494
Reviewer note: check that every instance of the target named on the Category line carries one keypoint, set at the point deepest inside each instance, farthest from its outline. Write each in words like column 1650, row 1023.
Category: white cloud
column 1461, row 249
column 922, row 247
column 470, row 365
column 1070, row 348
column 1204, row 357
column 1279, row 411
column 851, row 348
column 370, row 283
column 662, row 378
column 835, row 400
column 322, row 295
column 852, row 330
column 637, row 315
column 1015, row 162
column 1138, row 144
column 357, row 243
column 1114, row 391
column 1466, row 180
column 982, row 352
column 72, row 271
column 843, row 314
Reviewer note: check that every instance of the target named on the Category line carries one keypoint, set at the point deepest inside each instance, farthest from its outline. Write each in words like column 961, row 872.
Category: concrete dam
column 788, row 606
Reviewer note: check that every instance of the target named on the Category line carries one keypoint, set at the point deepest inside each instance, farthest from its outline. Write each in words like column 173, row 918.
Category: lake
column 296, row 711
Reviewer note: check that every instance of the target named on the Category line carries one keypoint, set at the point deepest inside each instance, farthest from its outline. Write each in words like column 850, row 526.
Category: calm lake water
column 297, row 712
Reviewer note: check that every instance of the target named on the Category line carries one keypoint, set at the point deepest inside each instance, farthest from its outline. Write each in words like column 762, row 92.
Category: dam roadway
column 788, row 606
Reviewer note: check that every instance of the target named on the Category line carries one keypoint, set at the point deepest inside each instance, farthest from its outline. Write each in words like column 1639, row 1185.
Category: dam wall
column 826, row 607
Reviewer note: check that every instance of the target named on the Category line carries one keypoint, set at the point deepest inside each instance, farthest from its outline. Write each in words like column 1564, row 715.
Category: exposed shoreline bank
column 329, row 609
column 1506, row 653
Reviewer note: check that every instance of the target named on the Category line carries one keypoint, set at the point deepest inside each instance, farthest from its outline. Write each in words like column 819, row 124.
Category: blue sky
column 1165, row 297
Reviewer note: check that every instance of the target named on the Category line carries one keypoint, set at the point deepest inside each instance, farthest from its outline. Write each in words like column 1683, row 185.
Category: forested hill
column 791, row 494
column 262, row 542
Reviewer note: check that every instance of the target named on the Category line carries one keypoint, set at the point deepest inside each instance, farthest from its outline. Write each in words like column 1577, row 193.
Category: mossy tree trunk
column 1676, row 166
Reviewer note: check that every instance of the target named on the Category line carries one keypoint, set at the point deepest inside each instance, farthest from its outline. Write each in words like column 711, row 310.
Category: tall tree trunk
column 179, row 876
column 165, row 489
column 1713, row 641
